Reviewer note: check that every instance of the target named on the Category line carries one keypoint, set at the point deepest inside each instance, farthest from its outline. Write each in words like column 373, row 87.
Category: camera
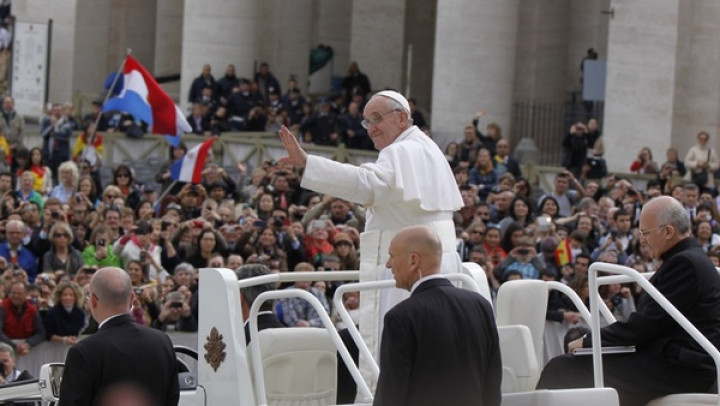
column 138, row 291
column 176, row 305
column 143, row 256
column 523, row 251
column 55, row 214
column 193, row 188
column 101, row 242
column 90, row 270
column 269, row 189
column 164, row 225
column 278, row 222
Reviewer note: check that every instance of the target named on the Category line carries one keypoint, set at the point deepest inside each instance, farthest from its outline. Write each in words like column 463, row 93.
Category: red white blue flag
column 189, row 167
column 142, row 97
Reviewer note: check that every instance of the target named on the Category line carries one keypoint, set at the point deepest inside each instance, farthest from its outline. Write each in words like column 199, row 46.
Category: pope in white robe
column 411, row 183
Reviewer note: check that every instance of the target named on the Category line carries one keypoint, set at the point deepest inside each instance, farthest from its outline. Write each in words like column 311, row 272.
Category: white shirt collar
column 108, row 319
column 425, row 278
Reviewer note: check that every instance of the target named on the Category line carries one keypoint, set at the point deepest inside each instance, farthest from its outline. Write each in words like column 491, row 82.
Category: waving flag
column 189, row 168
column 142, row 97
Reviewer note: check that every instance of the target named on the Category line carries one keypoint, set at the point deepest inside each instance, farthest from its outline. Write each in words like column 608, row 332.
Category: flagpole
column 165, row 192
column 119, row 72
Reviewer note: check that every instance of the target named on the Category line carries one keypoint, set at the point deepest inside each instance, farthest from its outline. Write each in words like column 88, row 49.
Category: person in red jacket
column 20, row 320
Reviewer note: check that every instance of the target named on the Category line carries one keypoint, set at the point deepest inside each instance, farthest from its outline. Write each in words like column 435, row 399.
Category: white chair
column 685, row 399
column 287, row 356
column 563, row 397
column 478, row 274
column 520, row 369
column 524, row 302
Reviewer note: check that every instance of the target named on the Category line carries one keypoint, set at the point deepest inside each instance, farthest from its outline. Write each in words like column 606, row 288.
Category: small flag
column 189, row 167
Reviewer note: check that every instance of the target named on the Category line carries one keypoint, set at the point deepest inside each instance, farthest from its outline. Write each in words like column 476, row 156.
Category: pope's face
column 388, row 126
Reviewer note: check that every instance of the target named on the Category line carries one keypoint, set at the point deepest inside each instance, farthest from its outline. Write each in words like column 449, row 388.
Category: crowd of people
column 59, row 223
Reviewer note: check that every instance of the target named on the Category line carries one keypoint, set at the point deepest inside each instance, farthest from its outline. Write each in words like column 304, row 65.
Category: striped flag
column 189, row 167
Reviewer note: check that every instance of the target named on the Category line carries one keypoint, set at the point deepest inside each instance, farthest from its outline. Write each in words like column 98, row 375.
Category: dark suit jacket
column 688, row 280
column 121, row 352
column 440, row 347
column 266, row 320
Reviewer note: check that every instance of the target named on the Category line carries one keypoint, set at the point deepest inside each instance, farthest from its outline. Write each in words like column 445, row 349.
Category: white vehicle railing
column 328, row 325
column 468, row 282
column 631, row 274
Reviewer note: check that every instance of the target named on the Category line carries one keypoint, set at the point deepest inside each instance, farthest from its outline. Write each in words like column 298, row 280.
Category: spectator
column 22, row 327
column 205, row 79
column 702, row 162
column 137, row 246
column 9, row 372
column 15, row 253
column 353, row 134
column 503, row 162
column 89, row 149
column 96, row 111
column 345, row 252
column 323, row 127
column 297, row 312
column 123, row 178
column 417, row 116
column 673, row 166
column 355, row 83
column 199, row 122
column 491, row 244
column 576, row 149
column 644, row 163
column 66, row 318
column 163, row 175
column 209, row 241
column 267, row 83
column 482, row 174
column 12, row 124
column 523, row 259
column 68, row 182
column 469, row 145
column 56, row 132
column 42, row 175
column 452, row 154
column 520, row 212
column 565, row 197
column 62, row 256
column 175, row 314
column 705, row 236
column 226, row 84
column 144, row 309
column 99, row 252
column 263, row 249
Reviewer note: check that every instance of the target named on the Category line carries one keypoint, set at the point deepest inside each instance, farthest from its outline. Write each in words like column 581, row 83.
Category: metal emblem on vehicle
column 215, row 347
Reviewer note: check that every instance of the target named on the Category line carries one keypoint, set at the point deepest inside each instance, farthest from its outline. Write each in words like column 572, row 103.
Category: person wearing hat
column 411, row 183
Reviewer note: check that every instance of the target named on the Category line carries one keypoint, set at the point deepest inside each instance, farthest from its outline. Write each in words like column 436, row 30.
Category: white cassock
column 410, row 184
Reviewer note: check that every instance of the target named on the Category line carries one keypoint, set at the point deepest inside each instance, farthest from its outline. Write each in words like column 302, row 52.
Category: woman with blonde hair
column 66, row 318
column 68, row 175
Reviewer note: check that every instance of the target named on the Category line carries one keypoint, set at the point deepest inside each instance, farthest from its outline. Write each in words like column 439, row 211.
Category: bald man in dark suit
column 123, row 358
column 440, row 346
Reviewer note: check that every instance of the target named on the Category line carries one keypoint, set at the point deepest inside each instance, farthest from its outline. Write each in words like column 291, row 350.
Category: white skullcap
column 391, row 94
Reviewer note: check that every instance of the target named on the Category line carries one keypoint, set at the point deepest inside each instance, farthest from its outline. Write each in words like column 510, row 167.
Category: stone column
column 218, row 33
column 474, row 65
column 332, row 28
column 697, row 90
column 641, row 80
column 286, row 39
column 420, row 18
column 377, row 41
column 541, row 52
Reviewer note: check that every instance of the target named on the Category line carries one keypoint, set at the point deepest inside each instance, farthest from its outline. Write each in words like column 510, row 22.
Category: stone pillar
column 286, row 39
column 697, row 89
column 474, row 65
column 218, row 33
column 333, row 19
column 420, row 18
column 168, row 43
column 62, row 62
column 641, row 80
column 587, row 28
column 541, row 52
column 377, row 41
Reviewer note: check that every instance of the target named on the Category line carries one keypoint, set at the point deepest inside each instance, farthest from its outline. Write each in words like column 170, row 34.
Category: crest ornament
column 215, row 349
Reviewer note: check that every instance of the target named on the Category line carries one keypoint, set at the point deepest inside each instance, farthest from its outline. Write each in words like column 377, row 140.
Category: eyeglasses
column 477, row 232
column 61, row 235
column 646, row 232
column 122, row 175
column 375, row 120
column 110, row 196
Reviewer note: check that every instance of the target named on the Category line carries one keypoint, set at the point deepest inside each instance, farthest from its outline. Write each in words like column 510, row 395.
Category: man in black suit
column 266, row 317
column 123, row 355
column 666, row 360
column 440, row 346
